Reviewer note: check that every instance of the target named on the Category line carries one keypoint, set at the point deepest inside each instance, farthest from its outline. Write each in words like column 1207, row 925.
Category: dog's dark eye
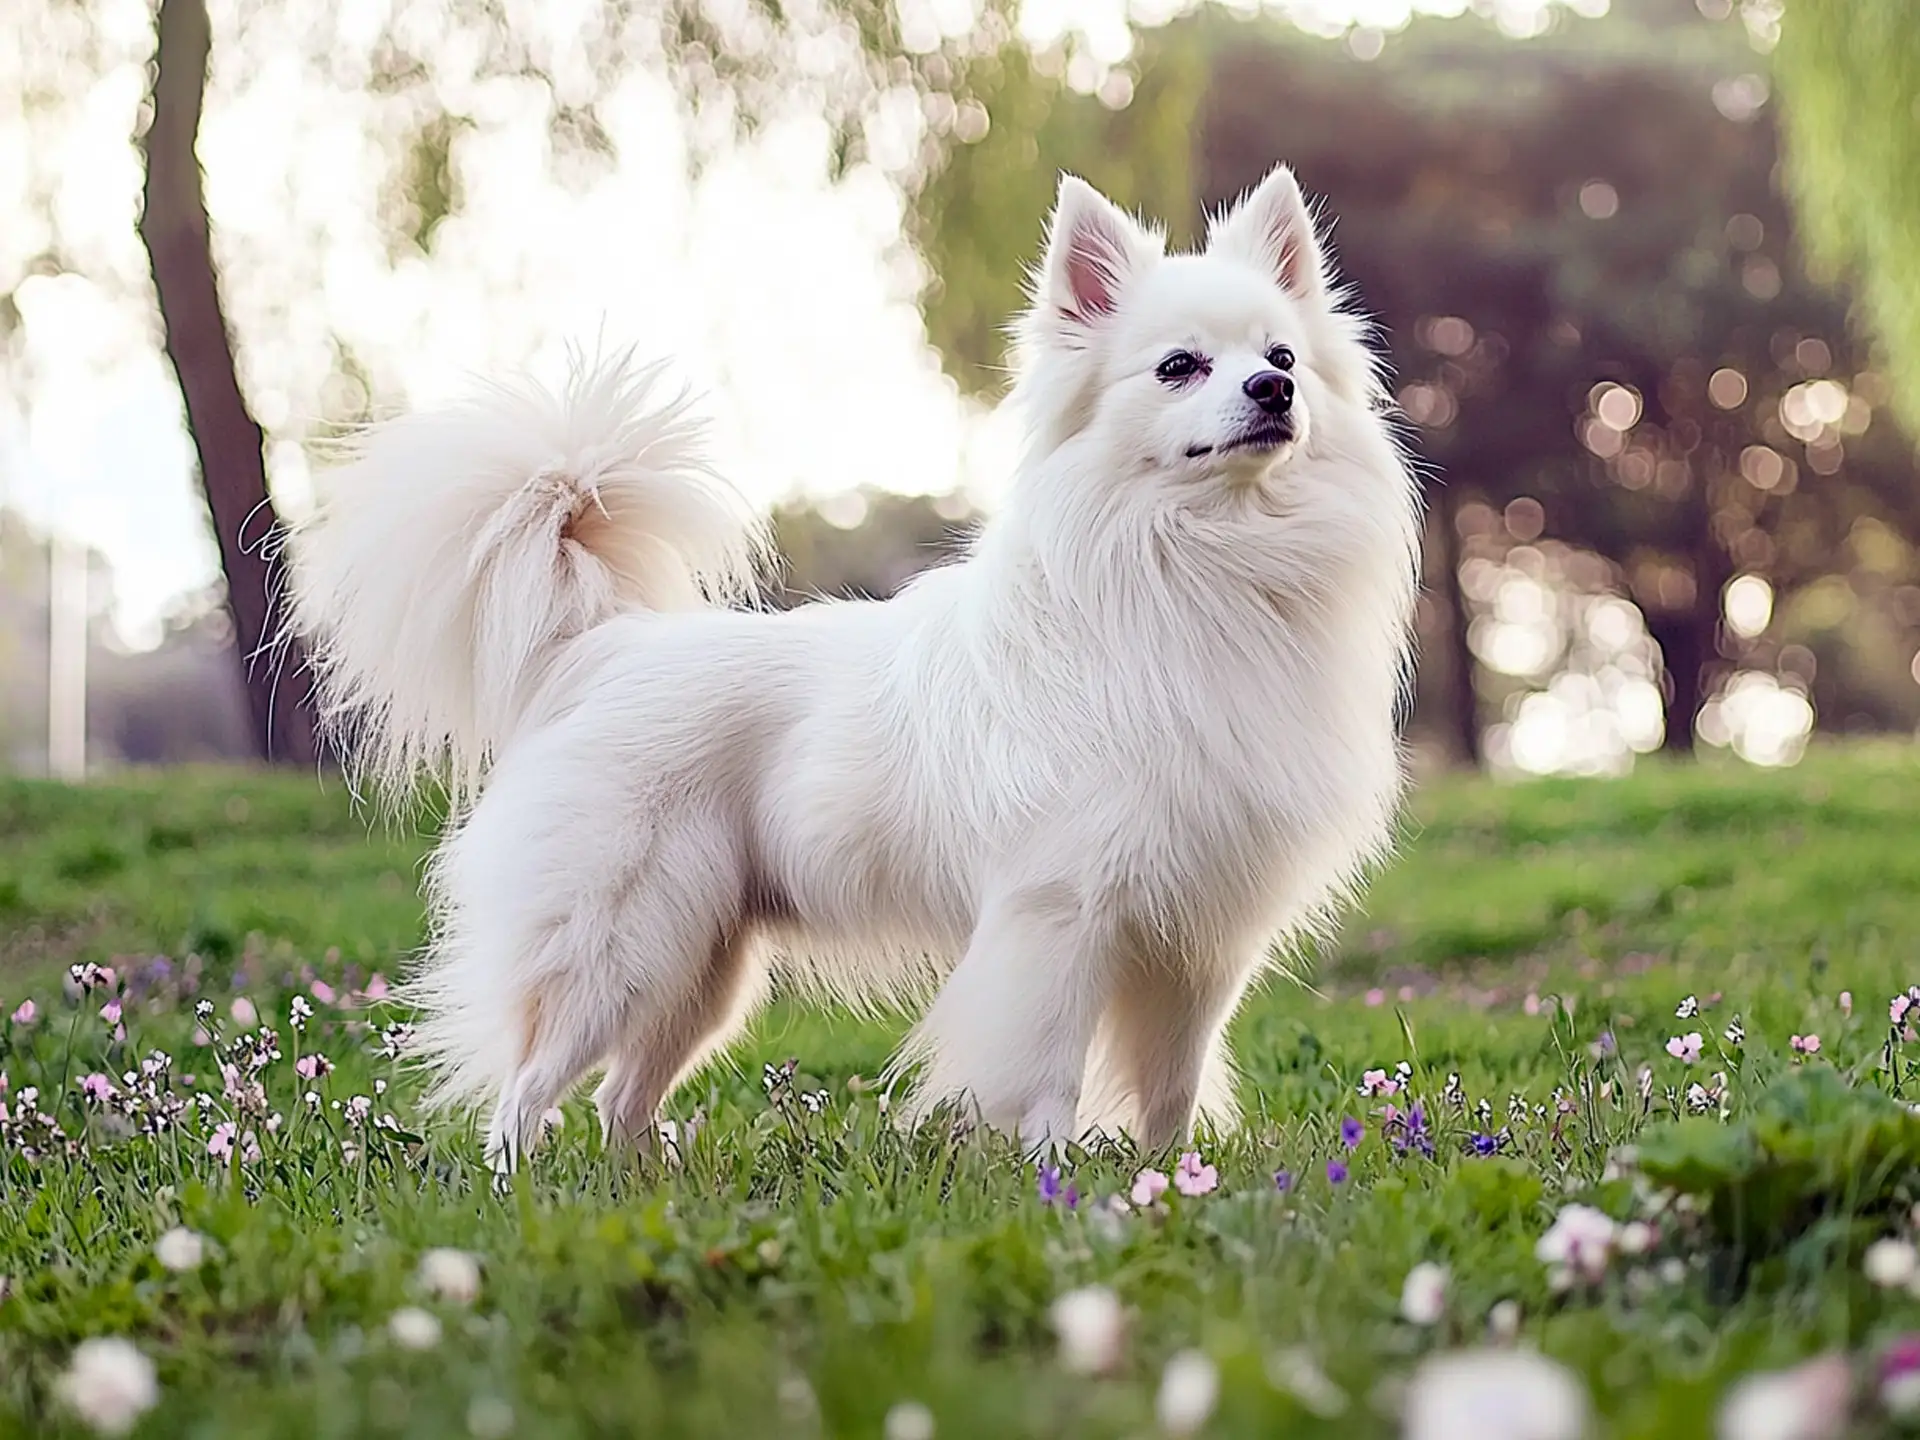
column 1180, row 365
column 1280, row 357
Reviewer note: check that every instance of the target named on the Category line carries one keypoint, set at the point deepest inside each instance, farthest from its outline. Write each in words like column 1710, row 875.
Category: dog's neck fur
column 1084, row 539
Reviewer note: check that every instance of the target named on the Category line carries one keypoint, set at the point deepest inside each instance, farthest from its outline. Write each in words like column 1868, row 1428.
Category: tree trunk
column 1683, row 656
column 1462, row 695
column 1689, row 639
column 173, row 227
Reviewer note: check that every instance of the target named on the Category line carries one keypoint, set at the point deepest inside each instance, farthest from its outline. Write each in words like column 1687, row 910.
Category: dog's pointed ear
column 1094, row 249
column 1272, row 228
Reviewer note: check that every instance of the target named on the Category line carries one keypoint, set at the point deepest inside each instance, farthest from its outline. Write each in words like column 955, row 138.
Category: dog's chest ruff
column 1233, row 767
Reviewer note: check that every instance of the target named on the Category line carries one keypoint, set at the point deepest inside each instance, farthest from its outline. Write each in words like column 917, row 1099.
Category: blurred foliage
column 1812, row 1147
column 735, row 67
column 977, row 224
column 1850, row 70
column 867, row 544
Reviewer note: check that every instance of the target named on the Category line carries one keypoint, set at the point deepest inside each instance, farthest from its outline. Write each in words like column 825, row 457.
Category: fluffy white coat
column 1079, row 788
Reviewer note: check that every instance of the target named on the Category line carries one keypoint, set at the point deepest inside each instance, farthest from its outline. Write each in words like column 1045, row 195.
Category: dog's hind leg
column 566, row 1019
column 652, row 947
column 667, row 1038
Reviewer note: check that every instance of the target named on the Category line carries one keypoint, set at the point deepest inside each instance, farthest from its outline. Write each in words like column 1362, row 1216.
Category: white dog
column 1076, row 787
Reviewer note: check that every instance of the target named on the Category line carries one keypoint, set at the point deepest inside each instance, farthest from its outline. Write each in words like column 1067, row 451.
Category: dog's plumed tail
column 461, row 548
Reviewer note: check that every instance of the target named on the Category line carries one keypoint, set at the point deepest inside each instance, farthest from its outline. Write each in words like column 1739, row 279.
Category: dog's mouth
column 1269, row 436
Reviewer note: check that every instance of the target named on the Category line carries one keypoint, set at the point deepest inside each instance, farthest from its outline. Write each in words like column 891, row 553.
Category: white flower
column 1298, row 1373
column 1637, row 1237
column 109, row 1384
column 1900, row 1393
column 909, row 1420
column 1503, row 1320
column 1091, row 1326
column 1578, row 1248
column 1890, row 1263
column 489, row 1418
column 1808, row 1402
column 180, row 1249
column 1494, row 1395
column 450, row 1275
column 413, row 1328
column 1189, row 1389
column 797, row 1399
column 1423, row 1298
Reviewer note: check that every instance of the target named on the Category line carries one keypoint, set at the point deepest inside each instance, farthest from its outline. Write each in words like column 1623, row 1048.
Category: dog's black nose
column 1270, row 390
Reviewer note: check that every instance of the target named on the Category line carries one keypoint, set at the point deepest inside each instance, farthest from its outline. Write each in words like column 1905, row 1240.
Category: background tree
column 226, row 438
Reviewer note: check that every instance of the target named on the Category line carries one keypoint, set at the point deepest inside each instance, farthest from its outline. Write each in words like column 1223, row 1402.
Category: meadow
column 1612, row 1075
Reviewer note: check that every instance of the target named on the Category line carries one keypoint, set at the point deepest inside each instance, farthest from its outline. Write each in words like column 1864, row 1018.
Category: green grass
column 802, row 1273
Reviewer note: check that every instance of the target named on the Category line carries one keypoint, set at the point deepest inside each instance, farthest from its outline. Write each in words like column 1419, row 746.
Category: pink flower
column 1846, row 1003
column 110, row 1012
column 1148, row 1186
column 1193, row 1176
column 312, row 1067
column 24, row 1015
column 322, row 992
column 1578, row 1247
column 1812, row 1400
column 244, row 1012
column 1378, row 1082
column 1806, row 1044
column 376, row 987
column 97, row 1088
column 1376, row 997
column 1685, row 1047
column 1897, row 1010
column 226, row 1140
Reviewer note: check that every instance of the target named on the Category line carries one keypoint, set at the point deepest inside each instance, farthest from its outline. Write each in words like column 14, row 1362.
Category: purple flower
column 1418, row 1135
column 1072, row 1197
column 1483, row 1144
column 1283, row 1181
column 1051, row 1191
column 1336, row 1172
column 1901, row 1358
column 1352, row 1132
column 1408, row 1131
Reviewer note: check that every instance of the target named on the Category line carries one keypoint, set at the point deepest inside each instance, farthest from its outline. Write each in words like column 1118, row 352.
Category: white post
column 67, row 659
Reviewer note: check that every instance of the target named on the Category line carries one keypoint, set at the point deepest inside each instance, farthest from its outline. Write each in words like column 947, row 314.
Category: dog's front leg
column 1167, row 1040
column 1008, row 1035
